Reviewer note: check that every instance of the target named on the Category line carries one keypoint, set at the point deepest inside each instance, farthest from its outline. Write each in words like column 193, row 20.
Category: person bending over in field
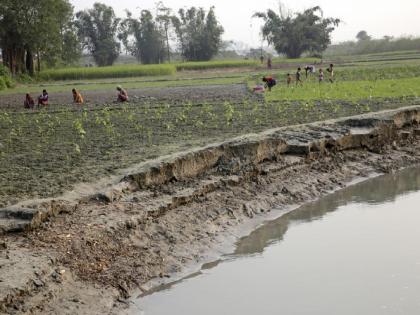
column 29, row 102
column 43, row 98
column 321, row 76
column 289, row 79
column 309, row 69
column 331, row 71
column 269, row 82
column 299, row 77
column 77, row 97
column 122, row 94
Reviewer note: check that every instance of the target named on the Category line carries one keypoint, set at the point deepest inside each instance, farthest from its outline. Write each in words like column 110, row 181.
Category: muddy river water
column 353, row 252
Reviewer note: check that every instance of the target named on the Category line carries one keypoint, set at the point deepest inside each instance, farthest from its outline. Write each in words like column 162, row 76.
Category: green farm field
column 44, row 153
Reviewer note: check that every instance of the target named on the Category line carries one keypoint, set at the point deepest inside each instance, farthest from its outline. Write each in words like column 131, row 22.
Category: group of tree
column 295, row 34
column 365, row 44
column 35, row 30
column 48, row 31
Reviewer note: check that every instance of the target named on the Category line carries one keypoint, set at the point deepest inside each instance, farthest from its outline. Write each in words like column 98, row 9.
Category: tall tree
column 148, row 45
column 293, row 35
column 97, row 27
column 164, row 18
column 32, row 28
column 199, row 33
column 363, row 35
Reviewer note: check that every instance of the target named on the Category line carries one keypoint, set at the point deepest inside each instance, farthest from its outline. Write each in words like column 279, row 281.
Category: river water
column 353, row 252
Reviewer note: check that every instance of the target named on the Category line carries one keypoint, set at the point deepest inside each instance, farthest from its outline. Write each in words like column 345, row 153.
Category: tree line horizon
column 49, row 32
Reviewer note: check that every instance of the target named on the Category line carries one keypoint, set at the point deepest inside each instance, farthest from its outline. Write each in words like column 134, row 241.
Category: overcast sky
column 377, row 17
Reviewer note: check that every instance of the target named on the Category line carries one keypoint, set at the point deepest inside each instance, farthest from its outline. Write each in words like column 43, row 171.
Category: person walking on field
column 299, row 77
column 270, row 82
column 43, row 99
column 269, row 63
column 321, row 76
column 331, row 71
column 29, row 102
column 77, row 97
column 122, row 95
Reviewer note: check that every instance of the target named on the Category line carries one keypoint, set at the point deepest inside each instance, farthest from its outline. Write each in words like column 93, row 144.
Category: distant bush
column 204, row 65
column 373, row 46
column 5, row 78
column 122, row 71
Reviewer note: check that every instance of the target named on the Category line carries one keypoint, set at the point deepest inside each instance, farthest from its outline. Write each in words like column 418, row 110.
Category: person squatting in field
column 43, row 99
column 269, row 81
column 77, row 97
column 122, row 94
column 29, row 102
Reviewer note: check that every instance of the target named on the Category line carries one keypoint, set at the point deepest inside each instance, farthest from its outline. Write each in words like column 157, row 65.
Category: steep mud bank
column 89, row 254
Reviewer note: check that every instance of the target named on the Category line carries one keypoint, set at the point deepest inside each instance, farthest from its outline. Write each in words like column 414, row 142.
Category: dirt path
column 169, row 216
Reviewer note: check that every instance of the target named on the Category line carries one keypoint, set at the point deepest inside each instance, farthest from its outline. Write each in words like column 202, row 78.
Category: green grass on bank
column 218, row 64
column 347, row 90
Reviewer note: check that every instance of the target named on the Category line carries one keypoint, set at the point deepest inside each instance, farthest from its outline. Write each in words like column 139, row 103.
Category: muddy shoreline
column 165, row 218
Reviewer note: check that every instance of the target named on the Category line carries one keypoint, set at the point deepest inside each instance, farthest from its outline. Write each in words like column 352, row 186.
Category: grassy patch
column 205, row 65
column 347, row 90
column 122, row 71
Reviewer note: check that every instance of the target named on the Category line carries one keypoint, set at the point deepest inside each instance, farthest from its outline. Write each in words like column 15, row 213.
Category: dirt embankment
column 87, row 256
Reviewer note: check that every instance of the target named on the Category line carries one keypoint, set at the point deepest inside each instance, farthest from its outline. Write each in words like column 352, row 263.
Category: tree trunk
column 30, row 62
column 38, row 60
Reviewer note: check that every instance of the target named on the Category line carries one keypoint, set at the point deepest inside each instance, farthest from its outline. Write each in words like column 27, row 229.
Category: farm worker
column 262, row 59
column 77, row 97
column 43, row 98
column 289, row 79
column 321, row 76
column 309, row 69
column 269, row 82
column 331, row 71
column 269, row 63
column 299, row 77
column 122, row 94
column 29, row 101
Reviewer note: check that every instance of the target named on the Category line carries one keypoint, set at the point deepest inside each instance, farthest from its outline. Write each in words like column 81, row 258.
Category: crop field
column 44, row 153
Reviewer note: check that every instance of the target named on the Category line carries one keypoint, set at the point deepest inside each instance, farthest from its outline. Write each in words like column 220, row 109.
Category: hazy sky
column 377, row 17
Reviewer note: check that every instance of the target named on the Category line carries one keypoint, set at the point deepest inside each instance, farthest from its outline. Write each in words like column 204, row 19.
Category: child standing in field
column 122, row 95
column 77, row 97
column 29, row 102
column 331, row 71
column 321, row 76
column 269, row 63
column 43, row 98
column 289, row 79
column 299, row 77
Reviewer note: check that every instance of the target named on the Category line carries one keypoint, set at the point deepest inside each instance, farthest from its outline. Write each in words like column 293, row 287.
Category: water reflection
column 375, row 191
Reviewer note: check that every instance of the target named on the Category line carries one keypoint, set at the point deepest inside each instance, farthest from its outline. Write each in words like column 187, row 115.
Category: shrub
column 2, row 83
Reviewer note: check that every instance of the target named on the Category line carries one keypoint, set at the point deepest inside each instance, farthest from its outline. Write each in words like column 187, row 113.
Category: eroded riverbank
column 352, row 252
column 88, row 255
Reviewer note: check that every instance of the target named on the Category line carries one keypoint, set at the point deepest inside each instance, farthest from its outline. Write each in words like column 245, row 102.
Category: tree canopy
column 42, row 28
column 148, row 45
column 296, row 34
column 198, row 33
column 97, row 29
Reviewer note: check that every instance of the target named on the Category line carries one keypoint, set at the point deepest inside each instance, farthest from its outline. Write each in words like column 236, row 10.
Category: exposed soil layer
column 87, row 255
